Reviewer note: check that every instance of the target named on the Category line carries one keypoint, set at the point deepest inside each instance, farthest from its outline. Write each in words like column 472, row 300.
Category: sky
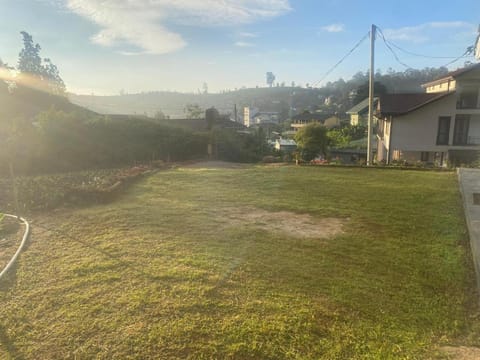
column 106, row 47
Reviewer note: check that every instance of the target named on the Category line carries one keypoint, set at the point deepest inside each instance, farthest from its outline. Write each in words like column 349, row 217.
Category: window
column 460, row 132
column 443, row 130
column 424, row 156
column 468, row 98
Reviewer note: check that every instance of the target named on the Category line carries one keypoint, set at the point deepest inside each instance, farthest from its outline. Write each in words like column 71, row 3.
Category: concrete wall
column 417, row 131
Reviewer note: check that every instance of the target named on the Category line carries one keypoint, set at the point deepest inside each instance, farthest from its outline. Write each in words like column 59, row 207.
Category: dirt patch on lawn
column 462, row 352
column 284, row 222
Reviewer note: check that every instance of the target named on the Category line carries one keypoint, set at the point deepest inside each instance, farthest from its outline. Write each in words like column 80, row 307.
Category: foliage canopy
column 312, row 140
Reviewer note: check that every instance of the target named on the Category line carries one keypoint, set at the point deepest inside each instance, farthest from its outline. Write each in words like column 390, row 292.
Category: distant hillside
column 172, row 104
column 26, row 102
column 343, row 95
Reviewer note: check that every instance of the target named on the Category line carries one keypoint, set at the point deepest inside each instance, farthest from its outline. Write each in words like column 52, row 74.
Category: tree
column 29, row 60
column 270, row 78
column 30, row 63
column 363, row 90
column 193, row 111
column 160, row 115
column 312, row 141
column 211, row 116
column 52, row 76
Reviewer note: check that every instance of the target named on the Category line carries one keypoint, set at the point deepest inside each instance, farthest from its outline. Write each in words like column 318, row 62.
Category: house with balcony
column 303, row 119
column 439, row 126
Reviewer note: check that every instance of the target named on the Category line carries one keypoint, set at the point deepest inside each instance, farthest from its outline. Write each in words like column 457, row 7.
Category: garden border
column 20, row 248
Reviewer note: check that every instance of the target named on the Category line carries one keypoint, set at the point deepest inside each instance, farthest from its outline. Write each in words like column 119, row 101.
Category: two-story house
column 439, row 126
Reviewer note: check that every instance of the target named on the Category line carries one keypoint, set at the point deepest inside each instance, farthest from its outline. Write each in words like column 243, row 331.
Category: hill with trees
column 285, row 100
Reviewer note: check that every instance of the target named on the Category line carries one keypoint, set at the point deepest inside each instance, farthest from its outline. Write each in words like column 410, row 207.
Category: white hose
column 20, row 248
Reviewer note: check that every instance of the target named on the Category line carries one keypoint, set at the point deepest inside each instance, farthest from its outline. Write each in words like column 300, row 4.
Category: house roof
column 399, row 104
column 361, row 106
column 452, row 75
column 308, row 116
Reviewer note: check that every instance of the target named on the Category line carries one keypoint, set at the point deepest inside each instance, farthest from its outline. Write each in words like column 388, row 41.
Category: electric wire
column 421, row 55
column 468, row 51
column 341, row 60
column 391, row 50
column 389, row 45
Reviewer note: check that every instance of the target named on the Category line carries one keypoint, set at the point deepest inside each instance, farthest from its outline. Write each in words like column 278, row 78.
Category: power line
column 467, row 53
column 391, row 50
column 421, row 55
column 341, row 60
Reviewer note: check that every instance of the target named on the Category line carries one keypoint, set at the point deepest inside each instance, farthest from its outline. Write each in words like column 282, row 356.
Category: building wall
column 448, row 85
column 417, row 131
column 354, row 119
column 246, row 116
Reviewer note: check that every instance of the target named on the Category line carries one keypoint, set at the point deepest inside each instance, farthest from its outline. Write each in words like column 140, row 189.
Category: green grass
column 159, row 274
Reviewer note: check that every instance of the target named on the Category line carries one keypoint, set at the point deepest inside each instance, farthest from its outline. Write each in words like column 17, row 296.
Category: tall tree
column 30, row 63
column 29, row 60
column 270, row 78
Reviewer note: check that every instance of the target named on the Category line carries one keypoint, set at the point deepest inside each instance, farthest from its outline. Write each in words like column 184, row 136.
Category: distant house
column 201, row 124
column 359, row 113
column 285, row 145
column 253, row 116
column 439, row 126
column 327, row 119
column 265, row 117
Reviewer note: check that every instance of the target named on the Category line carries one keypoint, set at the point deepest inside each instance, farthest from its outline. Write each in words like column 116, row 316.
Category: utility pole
column 371, row 94
column 477, row 45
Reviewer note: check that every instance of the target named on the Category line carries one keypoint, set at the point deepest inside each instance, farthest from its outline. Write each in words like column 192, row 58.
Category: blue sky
column 104, row 46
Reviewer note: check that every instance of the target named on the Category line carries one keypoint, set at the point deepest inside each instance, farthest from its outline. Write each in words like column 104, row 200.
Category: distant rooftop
column 361, row 106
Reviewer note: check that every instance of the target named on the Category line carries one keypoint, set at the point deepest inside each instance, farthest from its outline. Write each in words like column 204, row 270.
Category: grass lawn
column 173, row 270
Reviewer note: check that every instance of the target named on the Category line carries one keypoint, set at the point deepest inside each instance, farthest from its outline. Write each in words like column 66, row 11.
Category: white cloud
column 423, row 32
column 247, row 35
column 244, row 44
column 142, row 23
column 334, row 28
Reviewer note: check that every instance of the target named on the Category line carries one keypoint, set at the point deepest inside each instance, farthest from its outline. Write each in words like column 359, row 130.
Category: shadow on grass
column 9, row 279
column 7, row 343
column 131, row 266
